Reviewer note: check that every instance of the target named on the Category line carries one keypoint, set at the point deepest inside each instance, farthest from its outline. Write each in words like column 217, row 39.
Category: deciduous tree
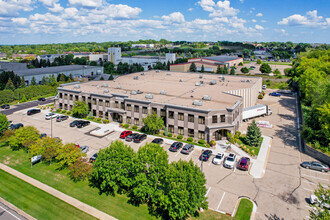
column 3, row 123
column 319, row 211
column 244, row 70
column 24, row 137
column 153, row 123
column 67, row 155
column 265, row 68
column 80, row 171
column 80, row 109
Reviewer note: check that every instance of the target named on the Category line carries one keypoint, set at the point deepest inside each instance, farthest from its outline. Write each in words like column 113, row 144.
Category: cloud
column 242, row 1
column 207, row 5
column 259, row 14
column 56, row 8
column 175, row 17
column 21, row 21
column 258, row 27
column 223, row 9
column 119, row 11
column 309, row 20
column 87, row 3
column 48, row 3
column 12, row 7
column 254, row 20
column 190, row 9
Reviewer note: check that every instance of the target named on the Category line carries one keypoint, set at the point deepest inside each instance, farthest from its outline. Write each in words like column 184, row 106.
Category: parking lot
column 281, row 193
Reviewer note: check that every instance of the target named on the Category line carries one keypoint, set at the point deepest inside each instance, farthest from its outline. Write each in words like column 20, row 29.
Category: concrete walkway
column 258, row 168
column 68, row 199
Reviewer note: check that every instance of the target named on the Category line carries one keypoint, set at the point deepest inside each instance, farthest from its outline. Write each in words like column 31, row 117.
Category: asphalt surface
column 8, row 214
column 26, row 105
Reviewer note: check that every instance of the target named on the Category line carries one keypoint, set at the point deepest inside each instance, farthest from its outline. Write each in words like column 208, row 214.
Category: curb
column 254, row 210
column 19, row 211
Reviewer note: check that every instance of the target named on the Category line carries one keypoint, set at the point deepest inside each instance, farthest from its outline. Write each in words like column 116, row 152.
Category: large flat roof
column 180, row 88
column 221, row 58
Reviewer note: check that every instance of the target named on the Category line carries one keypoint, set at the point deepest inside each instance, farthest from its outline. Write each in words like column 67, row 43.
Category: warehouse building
column 202, row 106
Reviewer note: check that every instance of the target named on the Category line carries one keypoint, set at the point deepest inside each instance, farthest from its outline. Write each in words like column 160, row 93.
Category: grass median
column 244, row 210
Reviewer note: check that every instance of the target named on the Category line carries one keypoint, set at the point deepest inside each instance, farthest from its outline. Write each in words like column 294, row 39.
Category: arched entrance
column 220, row 134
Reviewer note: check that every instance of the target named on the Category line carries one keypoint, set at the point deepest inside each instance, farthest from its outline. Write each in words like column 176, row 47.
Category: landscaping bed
column 244, row 210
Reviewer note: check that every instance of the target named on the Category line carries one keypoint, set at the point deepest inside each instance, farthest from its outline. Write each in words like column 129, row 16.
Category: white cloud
column 259, row 14
column 190, row 9
column 12, row 7
column 87, row 3
column 119, row 11
column 207, row 5
column 254, row 20
column 223, row 9
column 242, row 1
column 21, row 21
column 258, row 27
column 310, row 20
column 56, row 8
column 175, row 17
column 48, row 3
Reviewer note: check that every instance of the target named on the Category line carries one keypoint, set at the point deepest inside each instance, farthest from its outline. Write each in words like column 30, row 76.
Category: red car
column 244, row 163
column 125, row 134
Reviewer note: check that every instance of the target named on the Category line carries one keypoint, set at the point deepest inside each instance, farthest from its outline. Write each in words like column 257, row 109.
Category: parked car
column 314, row 165
column 11, row 123
column 217, row 159
column 16, row 126
column 175, row 146
column 313, row 199
column 275, row 94
column 33, row 111
column 230, row 161
column 42, row 99
column 5, row 106
column 74, row 123
column 93, row 158
column 36, row 159
column 124, row 134
column 131, row 136
column 205, row 156
column 264, row 87
column 157, row 141
column 244, row 163
column 81, row 124
column 84, row 149
column 187, row 149
column 60, row 118
column 50, row 115
column 42, row 135
column 139, row 138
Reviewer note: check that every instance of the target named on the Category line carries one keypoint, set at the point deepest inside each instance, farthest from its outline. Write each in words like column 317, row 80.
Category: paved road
column 18, row 107
column 8, row 214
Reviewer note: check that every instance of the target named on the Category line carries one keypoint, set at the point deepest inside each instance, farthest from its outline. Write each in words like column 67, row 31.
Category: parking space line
column 305, row 181
column 315, row 177
column 9, row 213
column 189, row 156
column 308, row 189
column 234, row 169
column 223, row 195
column 208, row 191
column 210, row 163
column 177, row 154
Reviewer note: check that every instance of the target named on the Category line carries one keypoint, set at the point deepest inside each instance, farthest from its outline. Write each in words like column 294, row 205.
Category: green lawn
column 244, row 210
column 36, row 202
column 278, row 63
column 117, row 206
column 211, row 215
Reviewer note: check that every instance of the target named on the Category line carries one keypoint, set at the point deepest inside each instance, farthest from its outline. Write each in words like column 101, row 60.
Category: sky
column 62, row 21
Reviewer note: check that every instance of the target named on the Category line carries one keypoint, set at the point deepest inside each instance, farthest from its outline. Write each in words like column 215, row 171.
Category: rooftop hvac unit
column 243, row 81
column 136, row 77
column 163, row 92
column 202, row 82
column 213, row 82
column 118, row 87
column 197, row 84
column 142, row 74
column 248, row 80
column 168, row 74
column 149, row 96
column 106, row 91
column 181, row 80
column 139, row 91
column 197, row 102
column 200, row 76
column 157, row 71
column 105, row 85
column 133, row 92
column 76, row 86
column 207, row 97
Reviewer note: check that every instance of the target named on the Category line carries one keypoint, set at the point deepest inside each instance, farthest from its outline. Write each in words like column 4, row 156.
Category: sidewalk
column 259, row 165
column 68, row 199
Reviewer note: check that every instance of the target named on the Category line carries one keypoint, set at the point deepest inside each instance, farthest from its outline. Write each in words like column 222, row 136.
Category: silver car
column 314, row 165
column 187, row 149
column 84, row 149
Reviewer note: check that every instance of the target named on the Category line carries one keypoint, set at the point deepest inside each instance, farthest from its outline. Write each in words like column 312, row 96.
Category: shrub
column 174, row 136
column 80, row 171
column 207, row 145
column 238, row 133
column 260, row 96
column 240, row 64
column 212, row 143
column 169, row 134
column 125, row 125
column 63, row 111
column 201, row 141
column 69, row 112
column 180, row 137
column 93, row 118
column 190, row 139
column 58, row 110
column 98, row 119
column 134, row 126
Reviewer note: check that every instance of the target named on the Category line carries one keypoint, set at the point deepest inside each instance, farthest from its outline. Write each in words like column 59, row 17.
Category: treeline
column 59, row 61
column 312, row 72
column 122, row 68
column 193, row 52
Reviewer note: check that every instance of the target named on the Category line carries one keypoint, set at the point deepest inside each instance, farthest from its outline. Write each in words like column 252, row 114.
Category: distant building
column 50, row 57
column 143, row 45
column 262, row 54
column 3, row 55
column 97, row 57
column 24, row 56
column 12, row 66
column 210, row 63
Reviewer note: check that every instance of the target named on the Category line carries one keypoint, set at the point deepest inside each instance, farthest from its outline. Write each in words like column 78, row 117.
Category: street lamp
column 51, row 127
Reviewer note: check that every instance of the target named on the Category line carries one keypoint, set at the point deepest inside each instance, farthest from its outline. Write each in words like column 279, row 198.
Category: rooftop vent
column 168, row 74
column 149, row 96
column 243, row 81
column 133, row 92
column 248, row 80
column 76, row 86
column 202, row 82
column 197, row 102
column 139, row 91
column 181, row 80
column 136, row 77
column 106, row 91
column 105, row 85
column 207, row 97
column 163, row 92
column 118, row 87
column 157, row 71
column 200, row 76
column 142, row 74
column 197, row 84
column 213, row 82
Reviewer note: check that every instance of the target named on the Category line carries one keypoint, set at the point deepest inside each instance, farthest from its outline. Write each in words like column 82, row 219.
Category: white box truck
column 255, row 111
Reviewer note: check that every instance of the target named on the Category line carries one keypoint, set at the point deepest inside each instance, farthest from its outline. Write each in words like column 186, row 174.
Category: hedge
column 169, row 134
column 190, row 139
column 134, row 127
column 180, row 137
column 201, row 141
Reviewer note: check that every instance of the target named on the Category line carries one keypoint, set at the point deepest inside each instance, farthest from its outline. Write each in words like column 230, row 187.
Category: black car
column 131, row 137
column 5, row 106
column 42, row 99
column 175, row 146
column 16, row 126
column 139, row 138
column 61, row 118
column 158, row 141
column 81, row 124
column 93, row 158
column 74, row 123
column 33, row 111
column 205, row 156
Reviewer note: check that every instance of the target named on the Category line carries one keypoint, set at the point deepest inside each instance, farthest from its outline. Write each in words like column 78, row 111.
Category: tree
column 320, row 212
column 240, row 64
column 225, row 70
column 244, row 70
column 110, row 77
column 44, row 80
column 93, row 63
column 68, row 155
column 277, row 72
column 232, row 71
column 253, row 135
column 10, row 85
column 265, row 68
column 24, row 137
column 22, row 84
column 80, row 109
column 101, row 78
column 193, row 67
column 3, row 123
column 48, row 147
column 259, row 61
column 80, row 170
column 153, row 123
column 202, row 69
column 219, row 70
column 113, row 171
column 33, row 81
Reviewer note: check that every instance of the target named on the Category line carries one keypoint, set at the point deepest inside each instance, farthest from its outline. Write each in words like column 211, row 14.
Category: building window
column 100, row 114
column 107, row 104
column 162, row 113
column 171, row 128
column 214, row 119
column 191, row 118
column 122, row 105
column 100, row 102
column 83, row 98
column 128, row 120
column 154, row 110
column 94, row 101
column 144, row 110
column 116, row 104
column 89, row 100
column 65, row 106
column 223, row 118
column 201, row 120
column 61, row 95
column 65, row 96
column 76, row 98
column 136, row 108
column 191, row 133
column 170, row 114
column 136, row 121
column 129, row 107
column 201, row 135
column 71, row 96
column 94, row 112
column 181, row 116
column 180, row 130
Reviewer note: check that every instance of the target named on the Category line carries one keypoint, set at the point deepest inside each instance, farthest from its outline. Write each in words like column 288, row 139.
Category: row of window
column 191, row 132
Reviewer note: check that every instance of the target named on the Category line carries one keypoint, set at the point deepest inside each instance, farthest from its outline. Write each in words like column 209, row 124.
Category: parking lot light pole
column 51, row 127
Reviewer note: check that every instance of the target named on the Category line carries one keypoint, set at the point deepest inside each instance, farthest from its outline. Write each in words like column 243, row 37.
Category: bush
column 244, row 70
column 238, row 133
column 98, row 119
column 125, row 125
column 80, row 171
column 58, row 110
column 170, row 135
column 134, row 126
column 69, row 112
column 240, row 64
column 212, row 143
column 180, row 137
column 63, row 111
column 260, row 96
column 93, row 118
column 190, row 139
column 201, row 141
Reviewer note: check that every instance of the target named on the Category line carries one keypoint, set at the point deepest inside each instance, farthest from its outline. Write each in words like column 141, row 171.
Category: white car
column 36, row 159
column 84, row 149
column 217, row 159
column 50, row 116
column 230, row 161
column 315, row 200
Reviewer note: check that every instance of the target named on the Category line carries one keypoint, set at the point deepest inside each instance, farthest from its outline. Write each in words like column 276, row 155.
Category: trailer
column 255, row 111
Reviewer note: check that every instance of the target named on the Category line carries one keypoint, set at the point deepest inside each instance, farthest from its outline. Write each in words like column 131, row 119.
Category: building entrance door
column 117, row 117
column 220, row 134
